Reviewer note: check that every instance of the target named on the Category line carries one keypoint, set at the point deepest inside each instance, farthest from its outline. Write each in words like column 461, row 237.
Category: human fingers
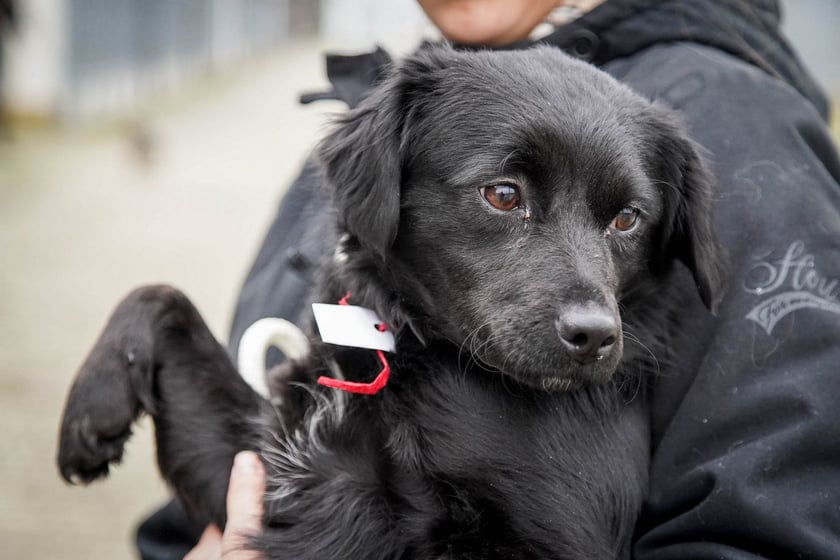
column 244, row 506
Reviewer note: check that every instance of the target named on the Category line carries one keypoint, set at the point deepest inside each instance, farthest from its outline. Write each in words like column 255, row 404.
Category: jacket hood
column 746, row 29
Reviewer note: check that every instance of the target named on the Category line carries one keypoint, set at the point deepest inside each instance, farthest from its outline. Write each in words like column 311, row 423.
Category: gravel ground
column 85, row 215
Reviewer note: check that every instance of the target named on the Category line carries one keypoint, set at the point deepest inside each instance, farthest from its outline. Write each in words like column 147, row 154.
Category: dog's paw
column 102, row 405
column 86, row 449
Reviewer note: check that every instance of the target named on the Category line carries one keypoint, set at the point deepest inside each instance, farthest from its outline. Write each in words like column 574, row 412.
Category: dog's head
column 510, row 201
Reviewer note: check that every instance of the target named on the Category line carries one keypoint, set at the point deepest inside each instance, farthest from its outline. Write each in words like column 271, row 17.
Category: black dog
column 514, row 218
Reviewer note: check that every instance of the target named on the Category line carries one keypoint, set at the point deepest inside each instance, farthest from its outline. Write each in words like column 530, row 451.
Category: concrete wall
column 360, row 25
column 34, row 59
column 74, row 59
column 813, row 27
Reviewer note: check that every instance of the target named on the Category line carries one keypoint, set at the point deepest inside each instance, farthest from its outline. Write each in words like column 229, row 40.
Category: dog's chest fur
column 463, row 460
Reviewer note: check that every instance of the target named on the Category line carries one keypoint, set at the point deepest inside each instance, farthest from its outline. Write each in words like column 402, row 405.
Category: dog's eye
column 626, row 219
column 503, row 196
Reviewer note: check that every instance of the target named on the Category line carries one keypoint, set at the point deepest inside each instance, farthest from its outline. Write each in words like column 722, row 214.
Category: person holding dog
column 745, row 427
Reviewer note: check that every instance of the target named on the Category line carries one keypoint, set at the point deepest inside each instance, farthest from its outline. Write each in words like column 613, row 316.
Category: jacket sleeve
column 303, row 232
column 283, row 272
column 746, row 416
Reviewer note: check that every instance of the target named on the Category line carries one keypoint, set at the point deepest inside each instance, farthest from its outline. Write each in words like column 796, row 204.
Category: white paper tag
column 350, row 325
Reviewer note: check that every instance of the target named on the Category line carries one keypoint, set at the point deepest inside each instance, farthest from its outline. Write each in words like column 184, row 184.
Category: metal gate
column 119, row 51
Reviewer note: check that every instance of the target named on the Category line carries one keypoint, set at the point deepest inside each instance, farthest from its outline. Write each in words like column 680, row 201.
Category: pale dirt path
column 81, row 223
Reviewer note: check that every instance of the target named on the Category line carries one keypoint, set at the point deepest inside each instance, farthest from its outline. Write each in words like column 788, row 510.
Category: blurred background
column 151, row 141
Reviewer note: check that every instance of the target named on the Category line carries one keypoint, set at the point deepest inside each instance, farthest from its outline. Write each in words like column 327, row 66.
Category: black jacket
column 745, row 419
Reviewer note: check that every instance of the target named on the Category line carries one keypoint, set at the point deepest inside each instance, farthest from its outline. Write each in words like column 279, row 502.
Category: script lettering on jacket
column 803, row 285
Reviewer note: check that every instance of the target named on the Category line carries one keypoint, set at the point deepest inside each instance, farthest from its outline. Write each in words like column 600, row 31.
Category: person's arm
column 746, row 417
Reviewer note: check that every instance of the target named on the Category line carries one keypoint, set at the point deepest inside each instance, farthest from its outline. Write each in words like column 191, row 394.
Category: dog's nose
column 587, row 332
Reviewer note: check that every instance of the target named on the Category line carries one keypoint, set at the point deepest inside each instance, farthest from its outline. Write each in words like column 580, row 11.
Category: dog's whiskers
column 668, row 184
column 643, row 369
column 628, row 334
column 475, row 346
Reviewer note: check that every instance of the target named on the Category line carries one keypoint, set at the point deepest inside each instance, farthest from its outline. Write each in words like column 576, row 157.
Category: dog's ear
column 361, row 160
column 687, row 227
column 362, row 156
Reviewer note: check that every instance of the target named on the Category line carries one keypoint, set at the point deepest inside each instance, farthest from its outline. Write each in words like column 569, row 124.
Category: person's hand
column 244, row 510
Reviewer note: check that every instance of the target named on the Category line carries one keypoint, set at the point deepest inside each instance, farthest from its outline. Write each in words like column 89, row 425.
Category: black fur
column 491, row 440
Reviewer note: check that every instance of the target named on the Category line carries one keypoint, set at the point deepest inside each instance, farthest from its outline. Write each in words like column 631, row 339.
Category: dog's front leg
column 157, row 355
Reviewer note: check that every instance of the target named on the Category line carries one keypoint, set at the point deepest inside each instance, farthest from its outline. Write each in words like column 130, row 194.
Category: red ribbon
column 361, row 388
